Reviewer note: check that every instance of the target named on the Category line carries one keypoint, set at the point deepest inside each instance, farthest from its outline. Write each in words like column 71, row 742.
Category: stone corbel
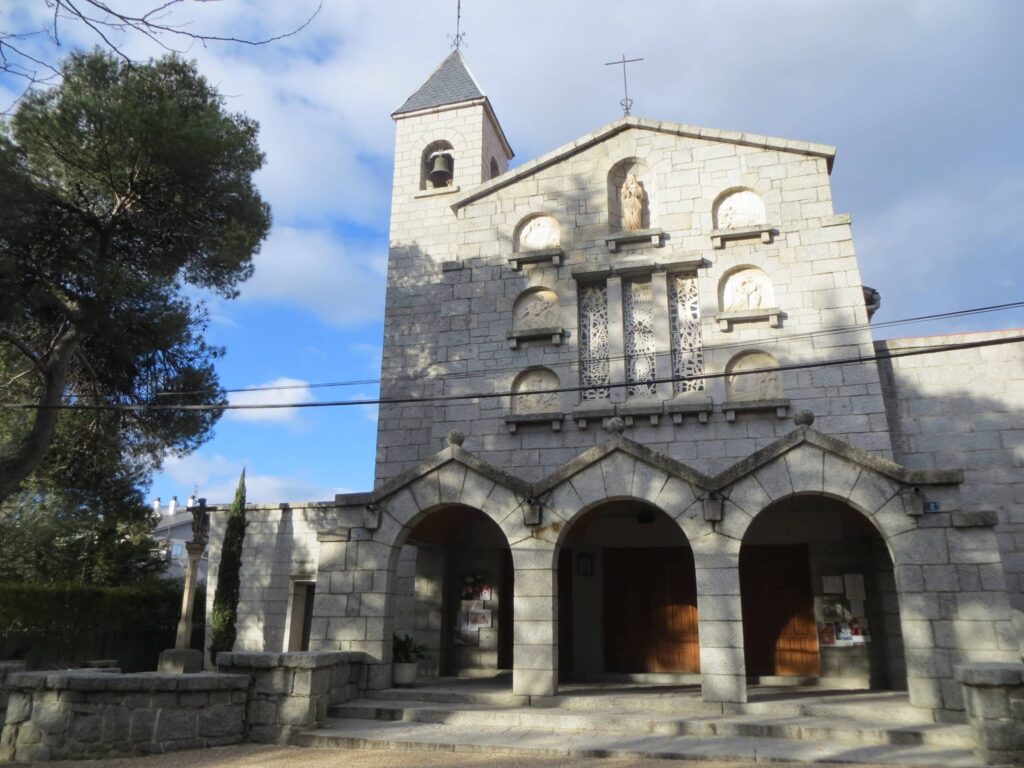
column 554, row 256
column 781, row 408
column 678, row 409
column 632, row 410
column 529, row 334
column 515, row 421
column 372, row 517
column 584, row 414
column 719, row 237
column 532, row 512
column 726, row 320
column 913, row 501
column 655, row 237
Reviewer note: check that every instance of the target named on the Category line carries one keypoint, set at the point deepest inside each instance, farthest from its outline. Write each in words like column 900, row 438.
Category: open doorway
column 627, row 597
column 819, row 598
column 454, row 592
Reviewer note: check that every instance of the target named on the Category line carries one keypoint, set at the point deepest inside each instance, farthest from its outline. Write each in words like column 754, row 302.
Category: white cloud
column 216, row 478
column 312, row 269
column 294, row 391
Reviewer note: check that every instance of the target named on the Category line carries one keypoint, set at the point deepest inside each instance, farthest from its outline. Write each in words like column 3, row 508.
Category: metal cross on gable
column 627, row 103
column 459, row 37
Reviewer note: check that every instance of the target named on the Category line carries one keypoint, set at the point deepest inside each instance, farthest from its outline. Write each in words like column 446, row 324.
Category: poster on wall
column 480, row 618
column 466, row 633
column 832, row 585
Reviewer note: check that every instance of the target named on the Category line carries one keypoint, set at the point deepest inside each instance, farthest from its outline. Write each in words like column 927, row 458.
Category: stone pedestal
column 180, row 661
column 994, row 695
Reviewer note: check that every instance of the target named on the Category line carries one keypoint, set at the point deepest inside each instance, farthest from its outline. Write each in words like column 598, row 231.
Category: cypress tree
column 225, row 599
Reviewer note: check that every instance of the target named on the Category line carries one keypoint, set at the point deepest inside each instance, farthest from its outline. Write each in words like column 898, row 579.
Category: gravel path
column 256, row 756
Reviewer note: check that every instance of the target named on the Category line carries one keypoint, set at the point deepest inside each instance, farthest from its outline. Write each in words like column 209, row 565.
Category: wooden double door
column 780, row 636
column 650, row 610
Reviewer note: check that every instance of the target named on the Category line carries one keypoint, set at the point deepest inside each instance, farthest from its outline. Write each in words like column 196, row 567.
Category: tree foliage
column 225, row 599
column 120, row 188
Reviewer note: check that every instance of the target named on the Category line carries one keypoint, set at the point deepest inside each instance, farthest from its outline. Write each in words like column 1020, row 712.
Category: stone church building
column 635, row 426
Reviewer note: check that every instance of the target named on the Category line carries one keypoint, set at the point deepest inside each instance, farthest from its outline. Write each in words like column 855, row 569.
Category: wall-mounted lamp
column 713, row 507
column 531, row 512
column 584, row 564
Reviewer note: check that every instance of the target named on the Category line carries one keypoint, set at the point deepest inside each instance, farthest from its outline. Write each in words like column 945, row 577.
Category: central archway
column 627, row 597
column 454, row 587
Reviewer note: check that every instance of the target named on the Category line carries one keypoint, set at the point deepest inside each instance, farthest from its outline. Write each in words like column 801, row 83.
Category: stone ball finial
column 615, row 425
column 803, row 418
column 456, row 438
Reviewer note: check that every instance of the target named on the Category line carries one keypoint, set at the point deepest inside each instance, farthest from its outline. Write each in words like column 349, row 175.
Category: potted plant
column 406, row 654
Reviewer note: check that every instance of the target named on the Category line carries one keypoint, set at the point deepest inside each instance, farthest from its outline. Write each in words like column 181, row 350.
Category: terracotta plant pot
column 404, row 673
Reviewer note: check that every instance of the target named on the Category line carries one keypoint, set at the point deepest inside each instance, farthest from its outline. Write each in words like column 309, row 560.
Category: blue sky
column 921, row 97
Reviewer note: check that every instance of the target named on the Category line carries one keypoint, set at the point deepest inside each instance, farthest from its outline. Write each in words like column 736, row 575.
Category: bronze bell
column 441, row 171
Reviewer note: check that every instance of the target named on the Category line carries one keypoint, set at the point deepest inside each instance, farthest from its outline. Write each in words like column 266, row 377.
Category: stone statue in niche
column 740, row 209
column 744, row 386
column 536, row 400
column 539, row 234
column 633, row 198
column 747, row 289
column 538, row 309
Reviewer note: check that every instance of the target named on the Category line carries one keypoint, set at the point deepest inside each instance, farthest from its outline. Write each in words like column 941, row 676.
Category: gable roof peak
column 450, row 83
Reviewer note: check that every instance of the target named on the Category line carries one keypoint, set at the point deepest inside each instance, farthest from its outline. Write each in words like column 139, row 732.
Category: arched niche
column 753, row 377
column 437, row 156
column 535, row 392
column 745, row 288
column 536, row 309
column 631, row 212
column 537, row 233
column 738, row 209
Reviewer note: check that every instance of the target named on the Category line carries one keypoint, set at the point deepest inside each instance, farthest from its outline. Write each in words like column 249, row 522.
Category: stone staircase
column 863, row 728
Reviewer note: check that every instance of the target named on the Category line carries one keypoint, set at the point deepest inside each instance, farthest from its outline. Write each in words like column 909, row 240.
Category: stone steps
column 551, row 742
column 829, row 726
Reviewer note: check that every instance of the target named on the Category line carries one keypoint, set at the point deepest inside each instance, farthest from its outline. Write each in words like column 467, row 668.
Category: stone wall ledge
column 291, row 660
column 90, row 680
column 990, row 673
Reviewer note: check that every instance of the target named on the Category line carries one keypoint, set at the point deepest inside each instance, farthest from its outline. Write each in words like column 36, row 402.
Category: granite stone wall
column 75, row 715
column 994, row 694
column 965, row 409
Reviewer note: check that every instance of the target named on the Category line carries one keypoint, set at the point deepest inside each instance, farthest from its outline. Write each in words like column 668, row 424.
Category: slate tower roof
column 450, row 83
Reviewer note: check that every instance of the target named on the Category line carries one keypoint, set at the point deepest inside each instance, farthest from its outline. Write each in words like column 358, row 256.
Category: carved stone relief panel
column 529, row 393
column 687, row 346
column 538, row 234
column 594, row 341
column 536, row 309
column 638, row 319
column 753, row 376
column 742, row 208
column 747, row 288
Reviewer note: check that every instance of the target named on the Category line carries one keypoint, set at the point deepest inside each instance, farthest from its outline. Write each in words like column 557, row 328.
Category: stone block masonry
column 7, row 668
column 262, row 697
column 290, row 692
column 74, row 715
column 994, row 694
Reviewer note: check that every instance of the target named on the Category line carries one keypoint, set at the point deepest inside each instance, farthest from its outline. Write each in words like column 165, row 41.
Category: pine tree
column 225, row 599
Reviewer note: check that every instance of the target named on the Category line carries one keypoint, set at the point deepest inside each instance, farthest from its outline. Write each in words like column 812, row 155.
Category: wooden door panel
column 779, row 633
column 650, row 610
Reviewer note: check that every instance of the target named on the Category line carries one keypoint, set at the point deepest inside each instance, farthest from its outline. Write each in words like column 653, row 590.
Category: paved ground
column 253, row 756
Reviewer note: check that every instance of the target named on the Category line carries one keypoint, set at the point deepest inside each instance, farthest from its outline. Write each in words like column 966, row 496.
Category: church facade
column 634, row 425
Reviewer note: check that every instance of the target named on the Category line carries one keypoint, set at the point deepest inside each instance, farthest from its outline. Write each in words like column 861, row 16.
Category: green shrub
column 225, row 599
column 74, row 608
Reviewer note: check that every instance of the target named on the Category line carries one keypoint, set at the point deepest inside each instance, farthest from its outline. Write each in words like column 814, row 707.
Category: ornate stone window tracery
column 638, row 336
column 594, row 341
column 687, row 345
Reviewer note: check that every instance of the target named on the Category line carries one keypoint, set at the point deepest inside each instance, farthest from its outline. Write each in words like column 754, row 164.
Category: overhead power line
column 575, row 363
column 860, row 359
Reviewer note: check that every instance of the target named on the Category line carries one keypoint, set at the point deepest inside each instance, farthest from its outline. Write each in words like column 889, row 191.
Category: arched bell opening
column 454, row 587
column 627, row 597
column 819, row 598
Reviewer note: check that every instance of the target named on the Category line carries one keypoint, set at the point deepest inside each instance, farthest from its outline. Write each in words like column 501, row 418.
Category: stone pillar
column 535, row 625
column 994, row 695
column 720, row 619
column 662, row 334
column 616, row 344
